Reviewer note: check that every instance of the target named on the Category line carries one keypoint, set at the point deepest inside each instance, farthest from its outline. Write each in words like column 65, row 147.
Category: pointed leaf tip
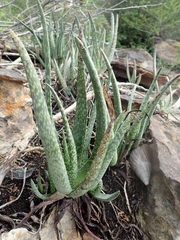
column 105, row 197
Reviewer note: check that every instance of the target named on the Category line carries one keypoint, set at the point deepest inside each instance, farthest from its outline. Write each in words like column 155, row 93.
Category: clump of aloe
column 71, row 169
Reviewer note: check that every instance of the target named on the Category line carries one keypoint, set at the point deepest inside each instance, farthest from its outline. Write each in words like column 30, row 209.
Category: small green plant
column 45, row 187
column 166, row 105
column 72, row 170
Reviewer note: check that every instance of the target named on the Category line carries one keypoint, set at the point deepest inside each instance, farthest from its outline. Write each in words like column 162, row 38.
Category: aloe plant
column 72, row 171
column 71, row 174
column 139, row 124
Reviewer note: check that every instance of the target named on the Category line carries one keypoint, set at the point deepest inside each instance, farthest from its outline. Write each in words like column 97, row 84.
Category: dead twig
column 78, row 214
column 7, row 219
column 58, row 116
column 6, row 5
column 31, row 149
column 126, row 196
column 35, row 209
column 24, row 182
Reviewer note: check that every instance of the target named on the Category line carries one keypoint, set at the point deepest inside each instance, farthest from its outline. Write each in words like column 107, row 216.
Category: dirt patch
column 10, row 190
column 117, row 219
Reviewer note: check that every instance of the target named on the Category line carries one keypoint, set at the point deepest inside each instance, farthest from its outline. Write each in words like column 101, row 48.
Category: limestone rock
column 66, row 226
column 16, row 119
column 169, row 51
column 144, row 66
column 20, row 234
column 142, row 57
column 160, row 211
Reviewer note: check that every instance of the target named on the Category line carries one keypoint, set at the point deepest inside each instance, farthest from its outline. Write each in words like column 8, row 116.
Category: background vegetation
column 141, row 22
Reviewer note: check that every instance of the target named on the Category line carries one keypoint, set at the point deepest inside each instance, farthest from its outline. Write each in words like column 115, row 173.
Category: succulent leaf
column 47, row 56
column 38, row 193
column 79, row 127
column 96, row 192
column 116, row 93
column 102, row 112
column 104, row 196
column 44, row 123
column 71, row 162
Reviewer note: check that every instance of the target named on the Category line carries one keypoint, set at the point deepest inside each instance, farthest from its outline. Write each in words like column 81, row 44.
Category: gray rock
column 141, row 56
column 160, row 212
column 169, row 51
column 139, row 59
